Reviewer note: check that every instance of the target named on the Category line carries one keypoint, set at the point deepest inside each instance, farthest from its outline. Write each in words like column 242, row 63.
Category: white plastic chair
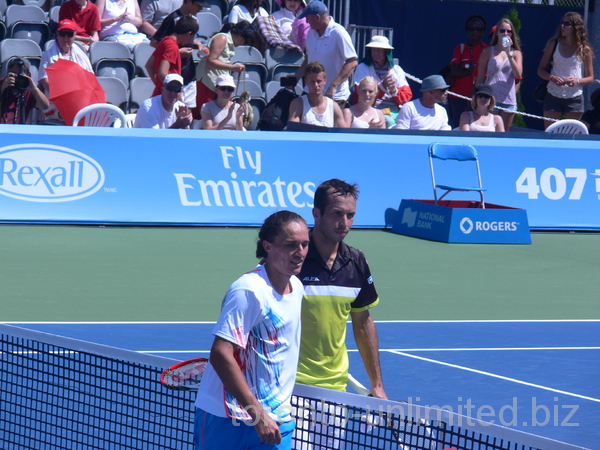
column 100, row 115
column 130, row 120
column 568, row 126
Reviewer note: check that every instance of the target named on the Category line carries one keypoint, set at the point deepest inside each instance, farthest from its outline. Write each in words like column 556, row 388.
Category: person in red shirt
column 463, row 67
column 166, row 58
column 85, row 14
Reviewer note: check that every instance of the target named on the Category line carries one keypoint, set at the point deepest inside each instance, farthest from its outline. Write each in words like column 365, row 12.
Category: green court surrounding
column 71, row 273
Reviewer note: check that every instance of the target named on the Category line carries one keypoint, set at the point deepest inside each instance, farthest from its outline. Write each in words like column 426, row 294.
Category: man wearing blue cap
column 426, row 113
column 329, row 43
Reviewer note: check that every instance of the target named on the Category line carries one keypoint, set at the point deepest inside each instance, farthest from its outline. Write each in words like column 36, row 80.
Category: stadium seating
column 273, row 87
column 112, row 59
column 27, row 22
column 209, row 24
column 141, row 53
column 21, row 47
column 117, row 93
column 140, row 89
column 258, row 106
column 251, row 86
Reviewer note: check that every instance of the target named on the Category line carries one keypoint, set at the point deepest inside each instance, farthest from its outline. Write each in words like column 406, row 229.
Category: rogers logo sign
column 47, row 173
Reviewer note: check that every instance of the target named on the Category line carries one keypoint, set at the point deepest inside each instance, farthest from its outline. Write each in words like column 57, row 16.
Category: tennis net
column 61, row 393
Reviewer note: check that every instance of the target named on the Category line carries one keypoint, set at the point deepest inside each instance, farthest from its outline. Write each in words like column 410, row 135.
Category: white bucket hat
column 380, row 42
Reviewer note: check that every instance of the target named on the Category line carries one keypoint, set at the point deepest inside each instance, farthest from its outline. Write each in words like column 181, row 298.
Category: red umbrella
column 72, row 88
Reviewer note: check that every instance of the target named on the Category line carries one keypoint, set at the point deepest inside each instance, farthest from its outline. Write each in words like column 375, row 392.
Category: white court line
column 493, row 375
column 479, row 349
column 376, row 321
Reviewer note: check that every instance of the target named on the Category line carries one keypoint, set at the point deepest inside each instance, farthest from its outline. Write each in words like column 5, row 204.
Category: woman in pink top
column 500, row 66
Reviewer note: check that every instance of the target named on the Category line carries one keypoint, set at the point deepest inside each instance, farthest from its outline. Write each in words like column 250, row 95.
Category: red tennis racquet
column 185, row 375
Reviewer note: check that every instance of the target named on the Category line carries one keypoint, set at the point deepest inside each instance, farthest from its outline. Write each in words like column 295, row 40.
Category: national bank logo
column 47, row 173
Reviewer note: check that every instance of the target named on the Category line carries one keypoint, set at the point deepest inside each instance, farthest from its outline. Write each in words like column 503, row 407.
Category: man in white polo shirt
column 426, row 113
column 165, row 110
column 330, row 44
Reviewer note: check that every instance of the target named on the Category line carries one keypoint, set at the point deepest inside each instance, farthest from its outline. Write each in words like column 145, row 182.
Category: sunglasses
column 475, row 29
column 483, row 96
column 66, row 33
column 226, row 88
column 504, row 31
column 566, row 24
column 173, row 89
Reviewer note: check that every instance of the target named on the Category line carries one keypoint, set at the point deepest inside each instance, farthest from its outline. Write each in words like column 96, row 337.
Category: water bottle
column 505, row 41
column 203, row 52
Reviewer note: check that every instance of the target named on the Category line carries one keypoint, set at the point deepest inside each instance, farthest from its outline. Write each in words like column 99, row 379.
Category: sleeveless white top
column 358, row 123
column 310, row 117
column 491, row 126
column 566, row 67
column 114, row 8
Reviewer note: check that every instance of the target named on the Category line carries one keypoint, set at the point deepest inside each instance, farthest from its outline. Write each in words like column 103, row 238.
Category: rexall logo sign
column 47, row 173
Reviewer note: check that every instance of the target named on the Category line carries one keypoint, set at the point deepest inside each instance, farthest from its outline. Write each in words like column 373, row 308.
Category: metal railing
column 570, row 3
column 361, row 36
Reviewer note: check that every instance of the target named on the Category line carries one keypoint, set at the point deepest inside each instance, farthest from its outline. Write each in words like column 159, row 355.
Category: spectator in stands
column 463, row 67
column 362, row 114
column 218, row 62
column 393, row 89
column 63, row 48
column 19, row 94
column 188, row 67
column 120, row 20
column 500, row 66
column 165, row 110
column 571, row 55
column 591, row 118
column 329, row 43
column 246, row 10
column 480, row 118
column 426, row 113
column 166, row 58
column 85, row 14
column 315, row 108
column 223, row 113
column 290, row 25
column 154, row 13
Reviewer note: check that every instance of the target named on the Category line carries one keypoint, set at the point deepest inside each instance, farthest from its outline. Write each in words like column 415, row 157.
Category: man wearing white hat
column 394, row 90
column 426, row 113
column 330, row 44
column 165, row 110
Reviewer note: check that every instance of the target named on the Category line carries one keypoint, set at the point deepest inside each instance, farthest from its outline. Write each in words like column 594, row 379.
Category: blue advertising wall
column 195, row 177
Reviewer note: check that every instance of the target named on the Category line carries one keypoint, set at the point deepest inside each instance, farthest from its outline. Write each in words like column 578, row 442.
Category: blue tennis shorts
column 219, row 433
column 505, row 106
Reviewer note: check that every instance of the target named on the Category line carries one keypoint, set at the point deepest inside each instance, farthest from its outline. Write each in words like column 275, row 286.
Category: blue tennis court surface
column 542, row 377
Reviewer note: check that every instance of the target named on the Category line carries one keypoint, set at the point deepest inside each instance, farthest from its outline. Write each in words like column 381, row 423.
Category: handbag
column 540, row 91
column 244, row 102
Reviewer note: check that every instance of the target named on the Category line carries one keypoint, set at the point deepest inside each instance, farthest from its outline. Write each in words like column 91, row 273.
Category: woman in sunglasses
column 500, row 66
column 223, row 113
column 481, row 117
column 218, row 62
column 570, row 54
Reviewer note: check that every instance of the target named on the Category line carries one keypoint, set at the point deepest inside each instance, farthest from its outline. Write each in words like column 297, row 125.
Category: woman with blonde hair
column 363, row 114
column 570, row 54
column 500, row 66
column 481, row 117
